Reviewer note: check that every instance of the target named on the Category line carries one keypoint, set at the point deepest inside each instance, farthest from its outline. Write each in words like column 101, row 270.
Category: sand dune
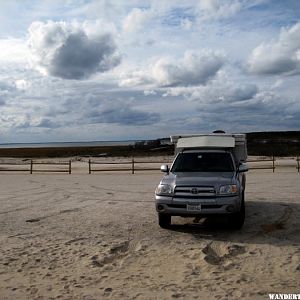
column 96, row 236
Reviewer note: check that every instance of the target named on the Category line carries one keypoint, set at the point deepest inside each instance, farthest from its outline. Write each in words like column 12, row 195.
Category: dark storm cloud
column 71, row 52
column 80, row 57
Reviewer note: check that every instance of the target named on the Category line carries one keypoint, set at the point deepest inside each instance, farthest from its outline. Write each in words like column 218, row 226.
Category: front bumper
column 209, row 206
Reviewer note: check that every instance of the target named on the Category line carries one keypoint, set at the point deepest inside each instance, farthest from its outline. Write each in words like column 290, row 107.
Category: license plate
column 193, row 207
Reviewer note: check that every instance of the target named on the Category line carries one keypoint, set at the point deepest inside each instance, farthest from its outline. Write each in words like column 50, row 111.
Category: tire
column 236, row 220
column 164, row 220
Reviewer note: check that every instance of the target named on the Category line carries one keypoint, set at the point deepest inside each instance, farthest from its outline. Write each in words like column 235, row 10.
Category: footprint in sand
column 114, row 254
column 219, row 254
column 33, row 220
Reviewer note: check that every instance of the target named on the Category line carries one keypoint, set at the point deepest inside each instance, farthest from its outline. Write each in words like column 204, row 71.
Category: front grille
column 203, row 206
column 194, row 192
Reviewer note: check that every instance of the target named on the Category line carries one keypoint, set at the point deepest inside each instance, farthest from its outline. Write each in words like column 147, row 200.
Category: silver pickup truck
column 207, row 178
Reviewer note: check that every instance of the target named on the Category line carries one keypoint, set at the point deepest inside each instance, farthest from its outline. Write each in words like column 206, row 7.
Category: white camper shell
column 236, row 143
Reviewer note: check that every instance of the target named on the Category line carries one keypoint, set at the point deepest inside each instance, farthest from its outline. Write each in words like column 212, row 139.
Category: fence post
column 132, row 165
column 90, row 171
column 273, row 163
column 31, row 166
column 70, row 167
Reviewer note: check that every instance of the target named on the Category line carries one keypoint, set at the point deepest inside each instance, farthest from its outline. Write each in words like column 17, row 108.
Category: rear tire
column 164, row 220
column 237, row 220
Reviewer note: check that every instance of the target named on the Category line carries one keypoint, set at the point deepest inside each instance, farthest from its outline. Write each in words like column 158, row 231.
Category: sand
column 96, row 236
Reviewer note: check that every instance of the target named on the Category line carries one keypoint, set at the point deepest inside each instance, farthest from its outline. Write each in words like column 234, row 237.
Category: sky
column 86, row 70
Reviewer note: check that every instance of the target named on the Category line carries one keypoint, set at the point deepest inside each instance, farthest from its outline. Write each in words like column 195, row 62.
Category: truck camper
column 206, row 178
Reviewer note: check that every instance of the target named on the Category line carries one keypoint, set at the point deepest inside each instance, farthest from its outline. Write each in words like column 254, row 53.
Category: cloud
column 241, row 93
column 136, row 19
column 13, row 51
column 22, row 84
column 7, row 90
column 278, row 57
column 195, row 68
column 167, row 78
column 220, row 89
column 123, row 116
column 6, row 87
column 217, row 9
column 71, row 50
column 47, row 123
column 264, row 107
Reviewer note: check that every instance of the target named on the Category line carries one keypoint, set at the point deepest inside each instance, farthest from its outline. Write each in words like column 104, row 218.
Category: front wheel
column 236, row 220
column 164, row 220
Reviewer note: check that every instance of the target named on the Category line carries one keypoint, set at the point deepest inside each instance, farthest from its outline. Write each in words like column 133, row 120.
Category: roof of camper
column 212, row 136
column 206, row 142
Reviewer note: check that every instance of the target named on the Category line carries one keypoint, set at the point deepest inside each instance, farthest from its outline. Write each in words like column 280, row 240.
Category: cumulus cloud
column 219, row 90
column 195, row 68
column 71, row 51
column 136, row 19
column 278, row 57
column 217, row 9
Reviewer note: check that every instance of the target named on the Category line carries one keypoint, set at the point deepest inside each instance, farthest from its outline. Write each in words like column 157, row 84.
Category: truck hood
column 199, row 178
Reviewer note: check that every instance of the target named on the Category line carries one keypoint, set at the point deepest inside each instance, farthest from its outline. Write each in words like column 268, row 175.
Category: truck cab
column 206, row 178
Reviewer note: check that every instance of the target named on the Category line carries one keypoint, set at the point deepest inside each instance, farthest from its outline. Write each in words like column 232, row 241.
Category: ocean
column 66, row 144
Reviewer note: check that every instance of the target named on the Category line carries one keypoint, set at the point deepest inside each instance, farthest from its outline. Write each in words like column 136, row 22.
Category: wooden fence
column 67, row 169
column 29, row 167
column 14, row 167
column 130, row 165
column 110, row 164
column 263, row 166
column 273, row 163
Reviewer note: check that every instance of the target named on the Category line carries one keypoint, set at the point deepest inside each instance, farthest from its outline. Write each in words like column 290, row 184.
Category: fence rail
column 263, row 167
column 132, row 165
column 31, row 168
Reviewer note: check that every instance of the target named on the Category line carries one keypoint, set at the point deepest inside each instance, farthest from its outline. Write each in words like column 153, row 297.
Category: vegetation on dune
column 279, row 143
column 258, row 143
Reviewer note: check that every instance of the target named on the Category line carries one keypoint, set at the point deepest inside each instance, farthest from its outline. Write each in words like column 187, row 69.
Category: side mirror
column 243, row 168
column 164, row 168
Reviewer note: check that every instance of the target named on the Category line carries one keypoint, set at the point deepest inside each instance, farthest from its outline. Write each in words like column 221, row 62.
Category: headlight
column 164, row 189
column 228, row 189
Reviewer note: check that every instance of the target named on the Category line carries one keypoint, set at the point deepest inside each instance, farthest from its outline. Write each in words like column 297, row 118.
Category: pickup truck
column 206, row 178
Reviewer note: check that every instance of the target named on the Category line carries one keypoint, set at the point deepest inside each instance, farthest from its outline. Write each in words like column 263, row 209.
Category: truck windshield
column 203, row 162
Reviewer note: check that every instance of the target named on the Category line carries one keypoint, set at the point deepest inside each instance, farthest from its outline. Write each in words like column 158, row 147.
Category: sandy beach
column 96, row 236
